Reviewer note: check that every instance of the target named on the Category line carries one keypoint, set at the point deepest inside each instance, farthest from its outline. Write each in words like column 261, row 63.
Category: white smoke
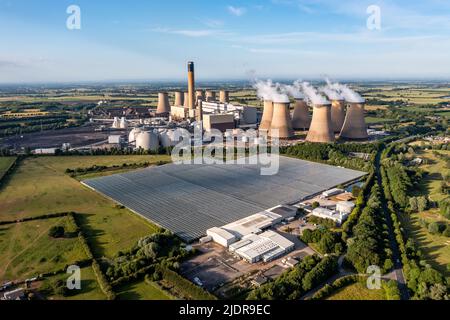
column 293, row 91
column 312, row 95
column 332, row 91
column 266, row 90
column 344, row 92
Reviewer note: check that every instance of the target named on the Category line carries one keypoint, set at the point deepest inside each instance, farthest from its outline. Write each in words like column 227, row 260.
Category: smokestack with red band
column 355, row 127
column 281, row 126
column 321, row 129
column 301, row 119
column 191, row 85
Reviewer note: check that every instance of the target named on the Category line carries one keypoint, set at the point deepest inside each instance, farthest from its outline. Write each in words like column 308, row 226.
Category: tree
column 413, row 204
column 56, row 232
column 315, row 205
column 433, row 228
column 422, row 204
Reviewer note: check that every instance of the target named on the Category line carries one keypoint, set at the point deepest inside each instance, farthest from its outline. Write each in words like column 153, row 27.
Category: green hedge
column 340, row 283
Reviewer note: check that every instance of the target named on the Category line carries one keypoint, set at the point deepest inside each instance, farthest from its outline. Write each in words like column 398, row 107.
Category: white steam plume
column 345, row 92
column 332, row 91
column 312, row 95
column 266, row 90
column 293, row 91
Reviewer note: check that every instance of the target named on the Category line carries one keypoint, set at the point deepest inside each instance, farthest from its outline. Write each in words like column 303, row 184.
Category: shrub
column 56, row 232
column 433, row 228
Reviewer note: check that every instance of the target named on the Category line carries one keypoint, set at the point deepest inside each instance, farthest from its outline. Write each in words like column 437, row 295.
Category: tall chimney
column 321, row 129
column 281, row 126
column 301, row 119
column 266, row 120
column 163, row 103
column 191, row 85
column 210, row 96
column 337, row 114
column 355, row 124
column 186, row 100
column 224, row 96
column 179, row 99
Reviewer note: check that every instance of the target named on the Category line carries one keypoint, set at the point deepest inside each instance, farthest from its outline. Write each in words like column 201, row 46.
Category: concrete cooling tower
column 224, row 96
column 163, row 103
column 321, row 129
column 355, row 127
column 266, row 120
column 191, row 85
column 337, row 115
column 301, row 119
column 210, row 96
column 281, row 125
column 147, row 141
column 179, row 99
column 186, row 100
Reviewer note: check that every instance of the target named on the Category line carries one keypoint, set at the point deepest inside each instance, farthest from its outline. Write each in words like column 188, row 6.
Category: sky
column 139, row 40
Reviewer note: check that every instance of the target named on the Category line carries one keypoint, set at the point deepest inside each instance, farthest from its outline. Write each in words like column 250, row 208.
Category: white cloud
column 237, row 11
column 197, row 33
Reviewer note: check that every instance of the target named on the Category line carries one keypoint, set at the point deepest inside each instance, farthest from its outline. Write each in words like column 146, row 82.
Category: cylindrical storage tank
column 321, row 129
column 337, row 114
column 224, row 96
column 210, row 96
column 355, row 127
column 186, row 100
column 133, row 134
column 147, row 141
column 266, row 120
column 301, row 119
column 167, row 138
column 163, row 103
column 179, row 99
column 281, row 126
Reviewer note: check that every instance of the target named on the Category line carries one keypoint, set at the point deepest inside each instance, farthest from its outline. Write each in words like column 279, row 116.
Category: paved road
column 398, row 266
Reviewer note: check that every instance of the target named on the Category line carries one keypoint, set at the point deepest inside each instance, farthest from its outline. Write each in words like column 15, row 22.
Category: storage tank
column 133, row 134
column 166, row 138
column 147, row 141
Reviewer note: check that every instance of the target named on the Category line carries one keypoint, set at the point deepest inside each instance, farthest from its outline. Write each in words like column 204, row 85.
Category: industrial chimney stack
column 191, row 85
column 281, row 126
column 301, row 119
column 355, row 127
column 266, row 120
column 179, row 99
column 224, row 96
column 321, row 129
column 163, row 103
column 337, row 115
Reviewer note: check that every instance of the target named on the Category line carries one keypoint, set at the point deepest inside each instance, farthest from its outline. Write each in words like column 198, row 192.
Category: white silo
column 123, row 123
column 116, row 123
column 167, row 138
column 148, row 141
column 133, row 134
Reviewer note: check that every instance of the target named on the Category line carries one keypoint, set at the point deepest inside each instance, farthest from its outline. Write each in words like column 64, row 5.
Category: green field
column 143, row 291
column 435, row 247
column 40, row 186
column 89, row 287
column 357, row 291
column 26, row 249
column 5, row 163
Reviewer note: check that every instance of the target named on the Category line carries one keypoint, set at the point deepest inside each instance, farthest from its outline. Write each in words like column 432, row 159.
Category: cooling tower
column 224, row 96
column 210, row 96
column 179, row 99
column 163, row 103
column 301, row 119
column 355, row 127
column 337, row 115
column 281, row 125
column 200, row 95
column 266, row 120
column 321, row 129
column 191, row 85
column 186, row 100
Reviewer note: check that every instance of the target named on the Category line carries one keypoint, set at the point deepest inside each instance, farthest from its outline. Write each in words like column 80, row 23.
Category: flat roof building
column 325, row 213
column 221, row 236
column 345, row 207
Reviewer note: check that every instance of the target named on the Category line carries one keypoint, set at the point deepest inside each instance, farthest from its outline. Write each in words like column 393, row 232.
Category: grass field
column 89, row 286
column 435, row 247
column 357, row 291
column 40, row 186
column 143, row 291
column 5, row 163
column 26, row 249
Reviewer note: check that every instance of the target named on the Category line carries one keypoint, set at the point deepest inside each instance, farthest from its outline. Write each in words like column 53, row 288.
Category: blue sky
column 235, row 39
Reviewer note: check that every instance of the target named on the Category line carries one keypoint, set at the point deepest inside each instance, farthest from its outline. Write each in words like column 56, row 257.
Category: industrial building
column 189, row 199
